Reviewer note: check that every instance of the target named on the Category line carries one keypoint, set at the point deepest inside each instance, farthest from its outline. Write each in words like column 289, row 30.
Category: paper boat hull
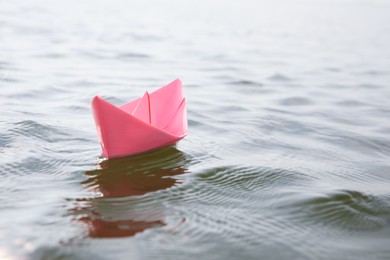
column 125, row 131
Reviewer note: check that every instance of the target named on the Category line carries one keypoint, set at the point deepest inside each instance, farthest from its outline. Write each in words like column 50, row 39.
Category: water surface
column 288, row 155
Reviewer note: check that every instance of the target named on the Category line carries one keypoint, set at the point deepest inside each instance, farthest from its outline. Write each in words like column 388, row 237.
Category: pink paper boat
column 156, row 120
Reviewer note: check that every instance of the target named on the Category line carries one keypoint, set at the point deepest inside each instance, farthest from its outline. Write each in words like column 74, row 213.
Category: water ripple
column 347, row 209
column 287, row 155
column 30, row 128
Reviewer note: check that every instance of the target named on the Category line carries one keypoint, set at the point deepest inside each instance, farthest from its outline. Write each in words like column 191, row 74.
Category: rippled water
column 289, row 133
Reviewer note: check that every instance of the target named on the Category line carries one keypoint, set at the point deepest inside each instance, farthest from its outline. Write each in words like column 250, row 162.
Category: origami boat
column 153, row 121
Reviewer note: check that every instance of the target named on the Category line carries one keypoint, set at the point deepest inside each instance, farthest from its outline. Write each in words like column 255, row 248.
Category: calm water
column 288, row 155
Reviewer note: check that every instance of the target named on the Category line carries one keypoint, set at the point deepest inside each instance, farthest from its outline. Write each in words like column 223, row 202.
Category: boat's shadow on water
column 122, row 206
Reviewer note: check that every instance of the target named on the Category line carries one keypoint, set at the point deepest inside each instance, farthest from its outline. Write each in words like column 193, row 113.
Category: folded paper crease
column 155, row 120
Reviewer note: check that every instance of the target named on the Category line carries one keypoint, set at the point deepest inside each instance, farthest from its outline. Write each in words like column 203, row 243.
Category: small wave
column 347, row 209
column 30, row 128
column 279, row 77
column 296, row 101
column 105, row 54
column 358, row 143
column 350, row 103
column 31, row 148
column 5, row 140
column 246, row 83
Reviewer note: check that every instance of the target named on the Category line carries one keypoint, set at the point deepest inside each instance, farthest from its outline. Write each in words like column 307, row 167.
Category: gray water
column 288, row 152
